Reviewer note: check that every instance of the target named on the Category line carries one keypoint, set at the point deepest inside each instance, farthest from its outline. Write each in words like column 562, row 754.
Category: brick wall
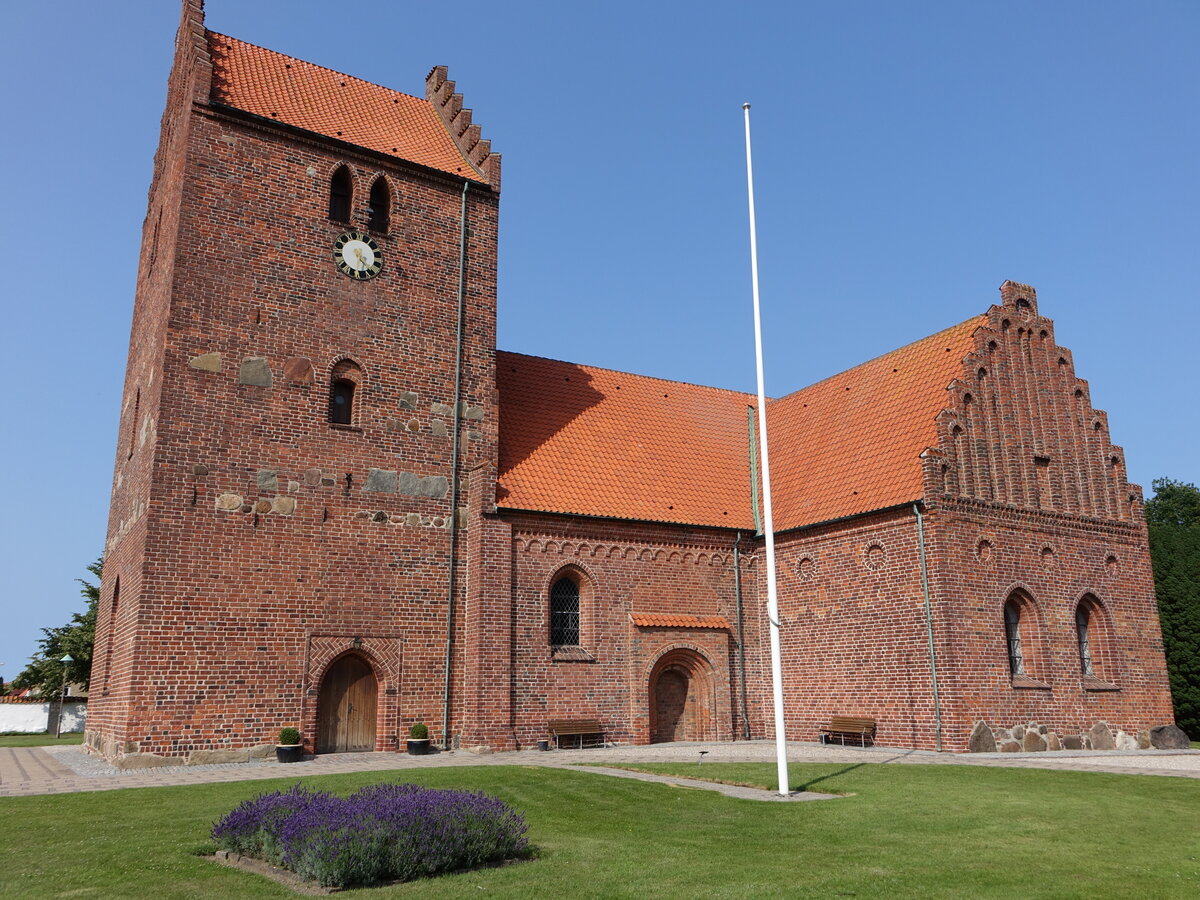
column 267, row 540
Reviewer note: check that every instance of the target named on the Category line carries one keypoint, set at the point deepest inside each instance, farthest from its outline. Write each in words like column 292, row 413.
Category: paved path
column 57, row 770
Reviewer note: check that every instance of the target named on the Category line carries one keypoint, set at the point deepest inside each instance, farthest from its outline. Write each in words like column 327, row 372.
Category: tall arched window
column 379, row 214
column 339, row 195
column 344, row 382
column 1012, row 634
column 1083, row 616
column 564, row 612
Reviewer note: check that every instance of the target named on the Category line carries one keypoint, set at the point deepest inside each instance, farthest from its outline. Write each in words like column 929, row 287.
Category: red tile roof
column 298, row 93
column 851, row 443
column 577, row 439
column 647, row 620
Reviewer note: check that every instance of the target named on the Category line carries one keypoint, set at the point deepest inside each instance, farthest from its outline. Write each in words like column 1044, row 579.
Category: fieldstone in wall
column 471, row 412
column 1101, row 737
column 262, row 507
column 441, row 409
column 1018, row 733
column 284, row 506
column 434, row 486
column 1033, row 742
column 1143, row 740
column 298, row 370
column 1052, row 741
column 312, row 477
column 1168, row 737
column 982, row 740
column 255, row 370
column 267, row 480
column 229, row 502
column 380, row 481
column 1125, row 741
column 1009, row 747
column 438, row 427
column 407, row 400
column 206, row 362
column 146, row 761
column 1071, row 742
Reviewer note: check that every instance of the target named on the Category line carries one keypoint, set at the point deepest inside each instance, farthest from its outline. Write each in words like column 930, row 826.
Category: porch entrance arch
column 346, row 706
column 681, row 701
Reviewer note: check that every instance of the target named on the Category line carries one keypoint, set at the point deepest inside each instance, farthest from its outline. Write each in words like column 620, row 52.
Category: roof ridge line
column 314, row 65
column 981, row 319
column 705, row 387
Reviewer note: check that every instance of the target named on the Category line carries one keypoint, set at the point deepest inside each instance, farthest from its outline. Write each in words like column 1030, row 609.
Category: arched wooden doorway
column 681, row 701
column 346, row 707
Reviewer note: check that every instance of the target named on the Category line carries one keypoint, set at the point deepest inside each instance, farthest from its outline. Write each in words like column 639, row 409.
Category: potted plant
column 289, row 749
column 418, row 739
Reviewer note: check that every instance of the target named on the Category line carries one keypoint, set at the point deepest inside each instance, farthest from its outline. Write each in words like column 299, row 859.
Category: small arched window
column 564, row 612
column 379, row 214
column 1012, row 634
column 339, row 195
column 1083, row 616
column 344, row 382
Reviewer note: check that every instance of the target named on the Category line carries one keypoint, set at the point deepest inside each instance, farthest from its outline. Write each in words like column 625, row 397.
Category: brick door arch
column 680, row 698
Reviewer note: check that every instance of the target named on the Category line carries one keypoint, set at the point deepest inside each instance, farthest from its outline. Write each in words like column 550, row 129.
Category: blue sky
column 909, row 157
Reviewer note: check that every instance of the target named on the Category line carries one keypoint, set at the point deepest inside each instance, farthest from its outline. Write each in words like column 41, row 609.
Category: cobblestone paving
column 54, row 770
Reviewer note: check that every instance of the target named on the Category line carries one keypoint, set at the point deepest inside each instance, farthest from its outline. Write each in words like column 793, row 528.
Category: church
column 336, row 504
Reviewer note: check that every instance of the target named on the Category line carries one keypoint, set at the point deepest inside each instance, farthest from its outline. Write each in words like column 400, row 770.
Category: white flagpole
column 768, row 521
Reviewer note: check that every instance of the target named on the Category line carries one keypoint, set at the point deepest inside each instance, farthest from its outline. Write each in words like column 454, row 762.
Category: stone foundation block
column 212, row 757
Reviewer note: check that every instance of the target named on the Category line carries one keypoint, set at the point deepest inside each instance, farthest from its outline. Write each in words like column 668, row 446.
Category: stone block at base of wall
column 216, row 757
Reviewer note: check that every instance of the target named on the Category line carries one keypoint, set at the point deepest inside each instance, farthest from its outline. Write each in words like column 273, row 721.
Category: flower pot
column 543, row 745
column 418, row 747
column 288, row 753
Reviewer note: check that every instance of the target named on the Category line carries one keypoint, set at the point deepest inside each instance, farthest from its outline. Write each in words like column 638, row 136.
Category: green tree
column 1173, row 514
column 45, row 671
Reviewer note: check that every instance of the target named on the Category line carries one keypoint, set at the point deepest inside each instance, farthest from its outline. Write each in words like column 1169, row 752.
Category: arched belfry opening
column 346, row 706
column 681, row 702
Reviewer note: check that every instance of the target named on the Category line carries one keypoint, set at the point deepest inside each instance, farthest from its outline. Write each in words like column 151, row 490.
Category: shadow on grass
column 807, row 786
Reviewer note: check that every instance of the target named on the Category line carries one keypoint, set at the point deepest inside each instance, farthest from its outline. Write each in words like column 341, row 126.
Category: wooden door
column 346, row 707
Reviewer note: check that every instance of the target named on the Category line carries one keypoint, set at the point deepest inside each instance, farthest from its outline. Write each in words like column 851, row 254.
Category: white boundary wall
column 35, row 718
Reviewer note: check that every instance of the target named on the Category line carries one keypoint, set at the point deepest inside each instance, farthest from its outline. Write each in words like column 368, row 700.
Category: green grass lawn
column 39, row 740
column 907, row 831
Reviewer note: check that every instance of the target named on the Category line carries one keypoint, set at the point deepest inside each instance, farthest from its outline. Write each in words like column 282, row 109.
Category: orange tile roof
column 851, row 443
column 298, row 93
column 647, row 620
column 577, row 439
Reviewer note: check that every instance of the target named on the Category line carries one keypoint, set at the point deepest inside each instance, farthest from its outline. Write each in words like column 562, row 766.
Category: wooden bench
column 859, row 728
column 581, row 728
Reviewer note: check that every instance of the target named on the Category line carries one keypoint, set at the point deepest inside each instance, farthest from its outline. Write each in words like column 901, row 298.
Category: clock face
column 357, row 255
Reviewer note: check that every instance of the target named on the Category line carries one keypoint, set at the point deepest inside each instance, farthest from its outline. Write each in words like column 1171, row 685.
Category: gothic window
column 379, row 213
column 564, row 612
column 1083, row 617
column 343, row 387
column 1012, row 634
column 339, row 195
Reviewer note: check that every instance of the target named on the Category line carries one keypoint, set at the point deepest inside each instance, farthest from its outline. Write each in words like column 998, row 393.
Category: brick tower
column 310, row 379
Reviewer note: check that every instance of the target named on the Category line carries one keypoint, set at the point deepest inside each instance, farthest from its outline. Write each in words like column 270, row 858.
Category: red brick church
column 336, row 504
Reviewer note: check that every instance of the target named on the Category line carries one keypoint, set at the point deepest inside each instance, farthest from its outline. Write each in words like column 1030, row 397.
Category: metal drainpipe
column 937, row 708
column 737, row 588
column 458, row 354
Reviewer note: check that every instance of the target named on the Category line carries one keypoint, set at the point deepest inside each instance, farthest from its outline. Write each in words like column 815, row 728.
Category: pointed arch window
column 340, row 191
column 1083, row 616
column 380, row 212
column 1012, row 634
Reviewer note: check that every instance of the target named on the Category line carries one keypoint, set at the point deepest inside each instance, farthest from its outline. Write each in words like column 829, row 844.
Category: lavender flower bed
column 383, row 832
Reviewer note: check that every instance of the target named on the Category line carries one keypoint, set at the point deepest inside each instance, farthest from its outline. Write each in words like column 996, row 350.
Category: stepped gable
column 852, row 443
column 589, row 441
column 1019, row 429
column 297, row 93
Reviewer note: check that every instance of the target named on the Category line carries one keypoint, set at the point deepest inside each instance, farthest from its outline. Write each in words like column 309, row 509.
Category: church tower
column 310, row 380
